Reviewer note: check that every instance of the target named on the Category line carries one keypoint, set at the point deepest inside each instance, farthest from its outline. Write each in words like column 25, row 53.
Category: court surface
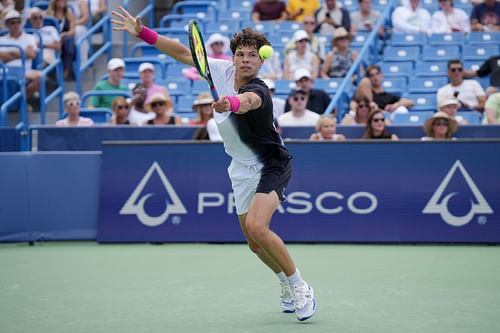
column 86, row 287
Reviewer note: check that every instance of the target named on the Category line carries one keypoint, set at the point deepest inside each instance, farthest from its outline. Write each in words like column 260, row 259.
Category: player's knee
column 256, row 231
column 254, row 247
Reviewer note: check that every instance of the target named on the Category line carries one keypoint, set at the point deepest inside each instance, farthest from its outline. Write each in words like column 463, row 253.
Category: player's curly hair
column 248, row 37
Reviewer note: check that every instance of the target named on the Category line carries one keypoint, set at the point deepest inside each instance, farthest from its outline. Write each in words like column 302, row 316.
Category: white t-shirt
column 406, row 20
column 309, row 118
column 83, row 121
column 468, row 92
column 23, row 41
column 457, row 19
column 139, row 118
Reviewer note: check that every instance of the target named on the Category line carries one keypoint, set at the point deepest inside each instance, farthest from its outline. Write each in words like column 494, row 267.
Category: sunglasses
column 299, row 99
column 73, row 103
column 121, row 107
column 309, row 22
column 456, row 69
column 442, row 122
column 372, row 74
column 12, row 22
column 217, row 43
column 376, row 120
column 363, row 106
column 155, row 104
column 36, row 17
column 303, row 41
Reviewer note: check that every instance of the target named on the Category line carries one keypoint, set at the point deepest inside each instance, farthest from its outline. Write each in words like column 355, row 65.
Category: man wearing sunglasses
column 317, row 99
column 299, row 115
column 50, row 36
column 469, row 93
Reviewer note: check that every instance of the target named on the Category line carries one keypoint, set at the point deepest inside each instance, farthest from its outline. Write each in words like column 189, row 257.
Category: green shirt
column 493, row 102
column 105, row 101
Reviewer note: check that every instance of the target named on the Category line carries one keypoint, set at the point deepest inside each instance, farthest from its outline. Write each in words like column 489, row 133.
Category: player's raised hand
column 126, row 22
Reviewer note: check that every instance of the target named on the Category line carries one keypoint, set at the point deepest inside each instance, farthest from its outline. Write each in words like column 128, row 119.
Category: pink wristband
column 148, row 35
column 235, row 103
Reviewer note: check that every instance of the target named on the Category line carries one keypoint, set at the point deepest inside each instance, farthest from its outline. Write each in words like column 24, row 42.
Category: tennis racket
column 199, row 54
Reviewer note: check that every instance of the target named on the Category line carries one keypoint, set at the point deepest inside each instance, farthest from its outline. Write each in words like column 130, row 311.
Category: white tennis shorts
column 244, row 180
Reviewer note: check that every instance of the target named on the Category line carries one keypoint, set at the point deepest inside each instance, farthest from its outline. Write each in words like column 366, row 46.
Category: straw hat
column 203, row 98
column 440, row 115
column 341, row 32
column 158, row 97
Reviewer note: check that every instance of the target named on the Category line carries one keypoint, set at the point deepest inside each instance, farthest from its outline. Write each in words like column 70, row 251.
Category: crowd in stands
column 316, row 52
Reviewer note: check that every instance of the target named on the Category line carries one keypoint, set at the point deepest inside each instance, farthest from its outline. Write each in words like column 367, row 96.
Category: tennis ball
column 266, row 52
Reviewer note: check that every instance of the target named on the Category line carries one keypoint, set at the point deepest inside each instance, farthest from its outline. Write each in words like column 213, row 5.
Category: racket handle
column 214, row 93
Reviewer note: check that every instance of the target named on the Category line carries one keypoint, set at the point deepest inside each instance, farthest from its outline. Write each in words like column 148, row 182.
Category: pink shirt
column 83, row 121
column 156, row 88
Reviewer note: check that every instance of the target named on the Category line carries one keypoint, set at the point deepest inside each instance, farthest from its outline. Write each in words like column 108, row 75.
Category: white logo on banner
column 434, row 207
column 135, row 204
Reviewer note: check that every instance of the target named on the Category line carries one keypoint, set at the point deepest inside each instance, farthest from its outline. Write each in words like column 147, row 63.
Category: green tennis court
column 86, row 287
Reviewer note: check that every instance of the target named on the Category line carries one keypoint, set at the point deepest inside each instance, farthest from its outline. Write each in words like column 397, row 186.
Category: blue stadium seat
column 472, row 117
column 404, row 68
column 226, row 28
column 199, row 86
column 464, row 5
column 287, row 27
column 425, row 69
column 205, row 10
column 454, row 38
column 279, row 41
column 86, row 95
column 266, row 27
column 423, row 102
column 330, row 86
column 479, row 52
column 360, row 38
column 177, row 20
column 283, row 87
column 184, row 104
column 411, row 118
column 178, row 86
column 175, row 70
column 98, row 115
column 426, row 85
column 484, row 38
column 236, row 14
column 401, row 53
column 132, row 66
column 395, row 84
column 472, row 64
column 402, row 39
column 440, row 53
column 178, row 34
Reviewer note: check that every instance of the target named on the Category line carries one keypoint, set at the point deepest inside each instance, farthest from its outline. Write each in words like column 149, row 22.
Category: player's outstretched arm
column 123, row 21
column 240, row 104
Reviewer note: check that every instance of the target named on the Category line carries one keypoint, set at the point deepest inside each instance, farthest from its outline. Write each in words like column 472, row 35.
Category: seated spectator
column 371, row 87
column 120, row 110
column 489, row 66
column 116, row 67
column 71, row 102
column 269, row 10
column 298, row 115
column 271, row 68
column 59, row 9
column 298, row 9
column 147, row 76
column 440, row 127
column 139, row 115
column 375, row 127
column 316, row 44
column 97, row 10
column 338, row 61
column 360, row 108
column 301, row 58
column 161, row 105
column 469, row 93
column 5, row 7
column 217, row 47
column 326, row 129
column 410, row 18
column 278, row 103
column 486, row 16
column 317, row 99
column 449, row 19
column 12, row 56
column 492, row 109
column 49, row 34
column 330, row 16
column 81, row 11
column 450, row 105
column 202, row 105
column 365, row 18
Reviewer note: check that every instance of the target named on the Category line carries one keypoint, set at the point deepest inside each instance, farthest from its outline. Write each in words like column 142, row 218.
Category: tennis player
column 261, row 165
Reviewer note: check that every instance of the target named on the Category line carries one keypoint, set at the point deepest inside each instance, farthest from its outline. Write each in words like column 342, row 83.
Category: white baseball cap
column 145, row 66
column 448, row 101
column 300, row 35
column 269, row 83
column 300, row 73
column 115, row 63
column 12, row 14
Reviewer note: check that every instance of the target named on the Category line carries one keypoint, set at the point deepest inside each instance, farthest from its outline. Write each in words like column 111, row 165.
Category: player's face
column 247, row 61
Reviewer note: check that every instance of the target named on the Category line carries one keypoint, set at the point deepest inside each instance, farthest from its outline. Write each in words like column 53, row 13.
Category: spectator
column 492, row 109
column 299, row 115
column 489, row 66
column 410, row 18
column 147, row 76
column 440, row 127
column 449, row 19
column 371, row 87
column 316, row 44
column 50, row 36
column 365, row 19
column 81, row 11
column 298, row 9
column 330, row 16
column 71, row 102
column 116, row 67
column 12, row 57
column 120, row 108
column 202, row 105
column 360, row 108
column 5, row 7
column 375, row 127
column 97, row 9
column 340, row 59
column 278, row 103
column 486, row 16
column 326, row 129
column 59, row 9
column 271, row 69
column 269, row 10
column 317, row 99
column 161, row 105
column 301, row 58
column 450, row 105
column 217, row 48
column 469, row 93
column 139, row 115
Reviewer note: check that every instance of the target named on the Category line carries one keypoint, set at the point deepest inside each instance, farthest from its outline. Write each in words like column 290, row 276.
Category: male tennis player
column 261, row 165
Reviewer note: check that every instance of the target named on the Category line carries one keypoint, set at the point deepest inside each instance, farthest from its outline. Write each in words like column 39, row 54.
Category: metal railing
column 148, row 10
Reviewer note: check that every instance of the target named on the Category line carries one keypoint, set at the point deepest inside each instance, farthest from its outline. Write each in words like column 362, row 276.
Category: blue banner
column 339, row 192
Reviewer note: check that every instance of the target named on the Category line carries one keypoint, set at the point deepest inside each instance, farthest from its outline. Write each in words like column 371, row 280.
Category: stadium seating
column 440, row 53
column 404, row 68
column 401, row 53
column 411, row 118
column 423, row 102
column 425, row 69
column 472, row 117
column 426, row 85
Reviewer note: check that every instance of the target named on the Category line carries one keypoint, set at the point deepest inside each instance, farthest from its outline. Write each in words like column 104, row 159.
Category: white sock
column 282, row 276
column 295, row 278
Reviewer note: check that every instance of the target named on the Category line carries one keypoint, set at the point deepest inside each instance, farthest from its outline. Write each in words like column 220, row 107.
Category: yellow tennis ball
column 266, row 52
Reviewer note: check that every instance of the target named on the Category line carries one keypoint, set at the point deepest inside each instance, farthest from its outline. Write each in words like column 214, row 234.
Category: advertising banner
column 339, row 192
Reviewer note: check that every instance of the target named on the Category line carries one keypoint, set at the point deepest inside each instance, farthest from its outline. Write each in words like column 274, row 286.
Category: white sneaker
column 286, row 298
column 305, row 304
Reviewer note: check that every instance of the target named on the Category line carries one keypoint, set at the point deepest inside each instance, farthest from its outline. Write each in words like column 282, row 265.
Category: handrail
column 21, row 94
column 146, row 10
column 56, row 66
column 90, row 93
column 372, row 39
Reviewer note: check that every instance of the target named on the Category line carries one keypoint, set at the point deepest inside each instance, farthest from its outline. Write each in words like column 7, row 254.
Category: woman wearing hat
column 202, row 105
column 161, row 105
column 338, row 61
column 440, row 127
column 301, row 58
column 217, row 46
